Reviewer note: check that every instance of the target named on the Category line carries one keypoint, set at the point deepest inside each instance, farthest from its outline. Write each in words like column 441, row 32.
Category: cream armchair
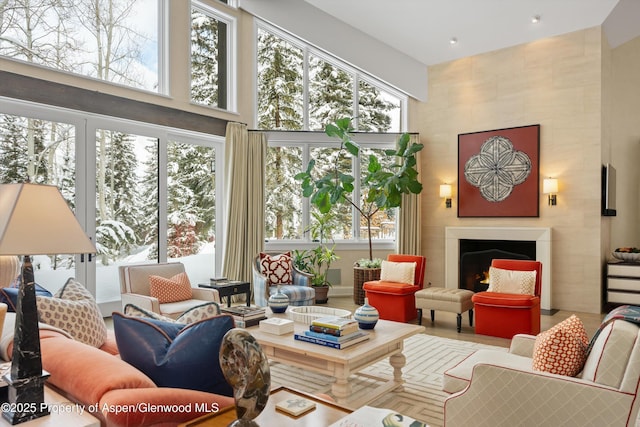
column 496, row 388
column 134, row 289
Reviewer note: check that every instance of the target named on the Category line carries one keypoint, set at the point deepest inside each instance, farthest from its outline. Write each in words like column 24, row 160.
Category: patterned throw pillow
column 562, row 349
column 400, row 272
column 512, row 281
column 174, row 289
column 194, row 314
column 276, row 268
column 74, row 310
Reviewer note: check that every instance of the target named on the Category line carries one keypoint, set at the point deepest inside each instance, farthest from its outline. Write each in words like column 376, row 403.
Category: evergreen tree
column 118, row 215
column 204, row 58
column 148, row 188
column 283, row 196
column 280, row 85
column 330, row 94
column 13, row 150
column 191, row 198
column 280, row 95
column 372, row 109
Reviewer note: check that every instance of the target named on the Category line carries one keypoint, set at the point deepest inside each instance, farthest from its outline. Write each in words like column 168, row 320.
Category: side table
column 227, row 289
column 324, row 414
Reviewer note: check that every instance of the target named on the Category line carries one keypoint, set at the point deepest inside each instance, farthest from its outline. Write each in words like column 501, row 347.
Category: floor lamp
column 34, row 219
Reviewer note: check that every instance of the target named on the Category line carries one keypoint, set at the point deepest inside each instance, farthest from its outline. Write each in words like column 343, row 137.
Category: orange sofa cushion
column 180, row 405
column 87, row 372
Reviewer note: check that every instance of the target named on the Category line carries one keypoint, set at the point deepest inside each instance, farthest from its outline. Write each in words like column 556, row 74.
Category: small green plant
column 315, row 262
column 369, row 263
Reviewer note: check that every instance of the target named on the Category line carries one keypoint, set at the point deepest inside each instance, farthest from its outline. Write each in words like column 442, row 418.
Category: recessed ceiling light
column 453, row 40
column 535, row 19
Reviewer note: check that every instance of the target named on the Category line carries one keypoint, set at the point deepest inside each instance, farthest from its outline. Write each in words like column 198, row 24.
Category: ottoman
column 445, row 299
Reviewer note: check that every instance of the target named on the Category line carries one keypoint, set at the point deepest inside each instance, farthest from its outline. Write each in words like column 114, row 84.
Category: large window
column 211, row 61
column 289, row 216
column 143, row 193
column 300, row 87
column 112, row 40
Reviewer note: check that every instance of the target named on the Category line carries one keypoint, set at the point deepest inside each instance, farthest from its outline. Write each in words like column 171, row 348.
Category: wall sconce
column 445, row 193
column 550, row 187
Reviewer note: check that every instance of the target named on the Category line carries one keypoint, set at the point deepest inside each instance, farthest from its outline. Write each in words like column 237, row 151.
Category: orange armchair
column 396, row 301
column 506, row 314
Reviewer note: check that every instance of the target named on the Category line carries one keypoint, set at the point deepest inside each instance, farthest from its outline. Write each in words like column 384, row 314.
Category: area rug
column 422, row 398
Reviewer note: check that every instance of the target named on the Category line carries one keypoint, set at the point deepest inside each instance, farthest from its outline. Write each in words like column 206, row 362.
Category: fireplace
column 476, row 256
column 540, row 237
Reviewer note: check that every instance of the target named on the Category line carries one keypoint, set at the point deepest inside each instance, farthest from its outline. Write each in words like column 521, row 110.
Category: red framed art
column 498, row 173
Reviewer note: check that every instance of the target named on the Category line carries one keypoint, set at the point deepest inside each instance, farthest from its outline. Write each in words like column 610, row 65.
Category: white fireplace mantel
column 542, row 237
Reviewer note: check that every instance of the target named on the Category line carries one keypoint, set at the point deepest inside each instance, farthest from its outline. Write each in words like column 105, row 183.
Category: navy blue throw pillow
column 173, row 354
column 9, row 296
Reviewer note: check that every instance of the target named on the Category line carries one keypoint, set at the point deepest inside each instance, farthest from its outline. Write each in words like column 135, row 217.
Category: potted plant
column 387, row 177
column 317, row 261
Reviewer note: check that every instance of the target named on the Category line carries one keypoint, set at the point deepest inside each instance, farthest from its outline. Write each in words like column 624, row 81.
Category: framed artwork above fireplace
column 498, row 172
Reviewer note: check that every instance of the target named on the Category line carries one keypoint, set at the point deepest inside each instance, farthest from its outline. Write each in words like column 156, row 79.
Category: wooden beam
column 45, row 92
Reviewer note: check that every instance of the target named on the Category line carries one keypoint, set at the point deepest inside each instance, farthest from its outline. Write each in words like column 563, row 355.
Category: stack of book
column 244, row 316
column 333, row 331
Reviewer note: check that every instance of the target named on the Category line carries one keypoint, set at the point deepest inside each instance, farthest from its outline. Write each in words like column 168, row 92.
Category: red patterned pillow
column 177, row 288
column 276, row 268
column 562, row 349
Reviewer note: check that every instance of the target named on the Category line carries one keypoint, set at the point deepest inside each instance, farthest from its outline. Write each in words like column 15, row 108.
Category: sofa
column 102, row 382
column 494, row 388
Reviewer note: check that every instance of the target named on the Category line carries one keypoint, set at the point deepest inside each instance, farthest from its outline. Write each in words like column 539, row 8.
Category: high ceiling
column 422, row 29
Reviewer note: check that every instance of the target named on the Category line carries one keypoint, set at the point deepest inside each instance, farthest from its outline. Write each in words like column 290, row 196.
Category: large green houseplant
column 382, row 186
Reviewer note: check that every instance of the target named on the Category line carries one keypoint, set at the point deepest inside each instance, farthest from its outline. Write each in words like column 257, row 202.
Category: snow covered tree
column 191, row 198
column 204, row 58
column 330, row 94
column 280, row 87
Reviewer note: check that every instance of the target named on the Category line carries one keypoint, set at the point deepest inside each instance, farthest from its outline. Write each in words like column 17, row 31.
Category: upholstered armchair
column 495, row 388
column 507, row 313
column 135, row 288
column 393, row 295
column 295, row 284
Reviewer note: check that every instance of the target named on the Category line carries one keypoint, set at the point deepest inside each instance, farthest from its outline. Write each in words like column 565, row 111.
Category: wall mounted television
column 608, row 190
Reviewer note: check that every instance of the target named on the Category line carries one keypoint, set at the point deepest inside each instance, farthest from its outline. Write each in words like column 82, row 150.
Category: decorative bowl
column 309, row 313
column 627, row 256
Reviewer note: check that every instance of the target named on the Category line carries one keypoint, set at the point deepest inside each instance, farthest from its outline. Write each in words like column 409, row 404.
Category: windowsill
column 285, row 245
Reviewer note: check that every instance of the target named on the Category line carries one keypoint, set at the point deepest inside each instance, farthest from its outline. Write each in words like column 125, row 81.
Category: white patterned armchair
column 300, row 292
column 494, row 388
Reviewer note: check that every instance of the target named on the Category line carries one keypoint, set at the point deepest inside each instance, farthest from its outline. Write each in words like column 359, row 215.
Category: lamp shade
column 36, row 220
column 445, row 191
column 550, row 186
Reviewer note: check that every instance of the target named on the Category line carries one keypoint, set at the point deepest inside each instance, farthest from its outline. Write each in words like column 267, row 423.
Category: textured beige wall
column 625, row 142
column 557, row 83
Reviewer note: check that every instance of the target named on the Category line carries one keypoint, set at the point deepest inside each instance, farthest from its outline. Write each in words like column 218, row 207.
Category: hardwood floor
column 445, row 323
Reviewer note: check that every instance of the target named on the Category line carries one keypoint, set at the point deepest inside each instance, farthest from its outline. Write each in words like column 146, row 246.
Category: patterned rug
column 427, row 358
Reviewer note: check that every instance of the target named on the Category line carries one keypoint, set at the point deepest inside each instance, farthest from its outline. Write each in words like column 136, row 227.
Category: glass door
column 126, row 207
column 41, row 151
column 192, row 220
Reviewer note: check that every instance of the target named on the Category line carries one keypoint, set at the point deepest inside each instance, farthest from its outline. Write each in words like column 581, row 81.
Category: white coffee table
column 387, row 340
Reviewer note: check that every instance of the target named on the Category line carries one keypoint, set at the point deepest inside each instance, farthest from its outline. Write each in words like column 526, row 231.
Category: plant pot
column 322, row 294
column 360, row 276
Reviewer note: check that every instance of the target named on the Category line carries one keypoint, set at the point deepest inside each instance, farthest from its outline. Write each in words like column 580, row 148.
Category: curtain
column 244, row 159
column 408, row 238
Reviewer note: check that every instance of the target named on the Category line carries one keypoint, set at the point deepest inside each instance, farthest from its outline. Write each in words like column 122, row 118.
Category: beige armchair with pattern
column 494, row 388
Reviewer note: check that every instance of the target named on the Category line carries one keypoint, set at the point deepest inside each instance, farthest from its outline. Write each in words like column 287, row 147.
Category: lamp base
column 26, row 398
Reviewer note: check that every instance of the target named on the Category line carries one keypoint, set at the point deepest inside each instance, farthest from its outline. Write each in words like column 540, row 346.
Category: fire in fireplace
column 476, row 257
